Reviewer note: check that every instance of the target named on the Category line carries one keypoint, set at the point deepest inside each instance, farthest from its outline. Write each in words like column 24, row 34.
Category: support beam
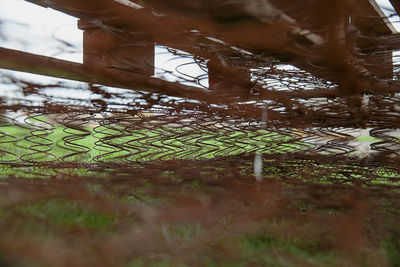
column 396, row 5
column 42, row 65
column 166, row 30
column 102, row 48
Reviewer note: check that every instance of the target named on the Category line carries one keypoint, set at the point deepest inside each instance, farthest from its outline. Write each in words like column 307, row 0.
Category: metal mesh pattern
column 109, row 128
column 225, row 119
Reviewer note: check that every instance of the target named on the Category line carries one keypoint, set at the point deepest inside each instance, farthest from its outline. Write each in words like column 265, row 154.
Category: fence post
column 105, row 48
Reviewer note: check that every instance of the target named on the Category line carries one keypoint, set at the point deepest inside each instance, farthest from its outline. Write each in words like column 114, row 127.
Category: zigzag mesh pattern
column 274, row 126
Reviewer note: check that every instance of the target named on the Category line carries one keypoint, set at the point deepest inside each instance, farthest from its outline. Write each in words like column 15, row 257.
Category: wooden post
column 228, row 81
column 105, row 48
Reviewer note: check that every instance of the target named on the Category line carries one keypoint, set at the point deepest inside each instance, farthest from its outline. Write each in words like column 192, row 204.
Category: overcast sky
column 35, row 29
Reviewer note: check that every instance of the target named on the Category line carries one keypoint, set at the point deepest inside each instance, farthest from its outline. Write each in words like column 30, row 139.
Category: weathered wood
column 42, row 65
column 106, row 49
column 112, row 14
column 396, row 5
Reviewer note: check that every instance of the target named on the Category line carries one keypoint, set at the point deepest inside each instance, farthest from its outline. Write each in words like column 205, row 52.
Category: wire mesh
column 290, row 114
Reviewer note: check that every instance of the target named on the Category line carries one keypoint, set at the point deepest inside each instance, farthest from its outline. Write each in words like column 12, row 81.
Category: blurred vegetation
column 83, row 215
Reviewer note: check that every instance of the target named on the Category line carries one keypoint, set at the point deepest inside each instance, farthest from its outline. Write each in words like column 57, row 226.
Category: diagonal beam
column 42, row 65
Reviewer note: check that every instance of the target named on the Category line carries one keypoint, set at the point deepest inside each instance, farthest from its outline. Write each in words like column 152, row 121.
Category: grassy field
column 193, row 214
column 107, row 143
column 191, row 225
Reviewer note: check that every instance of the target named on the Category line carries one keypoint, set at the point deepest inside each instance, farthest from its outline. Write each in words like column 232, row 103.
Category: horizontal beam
column 42, row 65
column 177, row 32
column 36, row 64
column 111, row 13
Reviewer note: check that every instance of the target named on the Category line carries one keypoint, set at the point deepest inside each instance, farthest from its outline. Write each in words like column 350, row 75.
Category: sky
column 39, row 30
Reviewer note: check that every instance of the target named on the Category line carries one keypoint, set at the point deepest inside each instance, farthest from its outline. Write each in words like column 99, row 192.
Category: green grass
column 67, row 213
column 391, row 247
column 263, row 249
column 368, row 139
column 275, row 243
column 44, row 143
column 84, row 145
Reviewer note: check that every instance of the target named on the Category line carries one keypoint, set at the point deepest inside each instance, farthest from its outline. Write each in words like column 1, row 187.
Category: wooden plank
column 42, row 65
column 396, row 5
column 110, row 13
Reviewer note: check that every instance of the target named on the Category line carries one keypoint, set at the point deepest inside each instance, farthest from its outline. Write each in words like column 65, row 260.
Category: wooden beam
column 42, row 65
column 36, row 64
column 396, row 5
column 112, row 14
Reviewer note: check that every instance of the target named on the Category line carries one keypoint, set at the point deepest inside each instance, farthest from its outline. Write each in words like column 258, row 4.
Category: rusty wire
column 283, row 120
